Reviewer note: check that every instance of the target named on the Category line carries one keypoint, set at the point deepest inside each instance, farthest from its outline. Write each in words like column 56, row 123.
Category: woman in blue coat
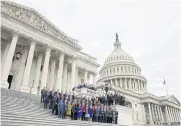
column 79, row 112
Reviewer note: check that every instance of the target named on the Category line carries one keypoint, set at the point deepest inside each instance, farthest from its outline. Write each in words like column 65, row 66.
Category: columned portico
column 45, row 68
column 27, row 71
column 24, row 86
column 8, row 60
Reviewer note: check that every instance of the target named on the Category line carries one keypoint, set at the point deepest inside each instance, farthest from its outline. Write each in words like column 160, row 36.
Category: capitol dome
column 120, row 70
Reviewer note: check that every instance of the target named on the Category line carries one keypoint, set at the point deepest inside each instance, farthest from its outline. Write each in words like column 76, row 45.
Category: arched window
column 110, row 71
column 114, row 70
column 121, row 69
column 117, row 69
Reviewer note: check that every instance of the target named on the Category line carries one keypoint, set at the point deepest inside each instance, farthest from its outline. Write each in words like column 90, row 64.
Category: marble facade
column 35, row 53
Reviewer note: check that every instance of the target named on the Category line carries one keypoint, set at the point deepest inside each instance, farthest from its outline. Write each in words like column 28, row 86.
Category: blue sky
column 148, row 30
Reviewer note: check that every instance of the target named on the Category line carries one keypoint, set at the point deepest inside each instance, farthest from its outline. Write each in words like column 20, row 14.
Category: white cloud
column 148, row 30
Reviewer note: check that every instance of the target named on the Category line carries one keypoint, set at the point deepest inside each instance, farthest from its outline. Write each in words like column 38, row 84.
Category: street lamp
column 106, row 88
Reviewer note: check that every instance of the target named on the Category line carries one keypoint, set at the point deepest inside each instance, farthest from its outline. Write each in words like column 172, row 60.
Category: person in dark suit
column 97, row 113
column 73, row 111
column 45, row 100
column 60, row 109
column 54, row 103
column 107, row 115
column 116, row 117
column 42, row 94
column 101, row 117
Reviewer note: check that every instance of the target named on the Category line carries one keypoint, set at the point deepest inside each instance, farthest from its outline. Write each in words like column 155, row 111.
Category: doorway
column 10, row 78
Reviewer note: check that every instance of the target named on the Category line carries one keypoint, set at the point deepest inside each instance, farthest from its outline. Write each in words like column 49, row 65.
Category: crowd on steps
column 95, row 109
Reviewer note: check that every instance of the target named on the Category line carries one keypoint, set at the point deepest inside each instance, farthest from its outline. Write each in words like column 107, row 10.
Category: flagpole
column 164, row 82
column 166, row 90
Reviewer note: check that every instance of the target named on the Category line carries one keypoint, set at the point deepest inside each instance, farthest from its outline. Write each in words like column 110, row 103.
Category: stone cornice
column 122, row 76
column 32, row 18
column 120, row 63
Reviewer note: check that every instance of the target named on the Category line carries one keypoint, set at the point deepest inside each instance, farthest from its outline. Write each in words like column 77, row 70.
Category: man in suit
column 116, row 117
column 106, row 115
column 54, row 102
column 97, row 113
column 60, row 109
column 43, row 94
column 101, row 116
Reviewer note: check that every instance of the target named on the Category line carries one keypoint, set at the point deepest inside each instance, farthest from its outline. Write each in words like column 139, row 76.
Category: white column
column 60, row 72
column 76, row 76
column 111, row 82
column 85, row 77
column 52, row 74
column 158, row 112
column 5, row 54
column 73, row 74
column 153, row 112
column 167, row 115
column 34, row 89
column 121, row 84
column 178, row 115
column 19, row 77
column 170, row 114
column 130, row 86
column 134, row 84
column 116, row 83
column 174, row 114
column 45, row 68
column 24, row 86
column 64, row 85
column 8, row 61
column 94, row 79
column 125, row 83
column 171, row 109
column 150, row 113
column 161, row 114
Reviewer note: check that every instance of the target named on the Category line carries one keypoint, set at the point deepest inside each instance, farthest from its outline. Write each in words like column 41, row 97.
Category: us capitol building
column 36, row 54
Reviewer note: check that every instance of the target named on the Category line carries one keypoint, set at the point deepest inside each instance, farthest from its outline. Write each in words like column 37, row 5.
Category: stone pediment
column 170, row 98
column 34, row 19
column 173, row 99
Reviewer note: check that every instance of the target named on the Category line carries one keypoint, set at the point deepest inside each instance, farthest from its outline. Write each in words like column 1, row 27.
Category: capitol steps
column 23, row 109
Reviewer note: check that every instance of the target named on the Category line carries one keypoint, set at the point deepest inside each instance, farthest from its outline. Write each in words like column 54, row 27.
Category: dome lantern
column 117, row 43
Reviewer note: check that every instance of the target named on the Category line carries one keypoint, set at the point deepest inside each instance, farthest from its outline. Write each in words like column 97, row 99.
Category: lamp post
column 106, row 88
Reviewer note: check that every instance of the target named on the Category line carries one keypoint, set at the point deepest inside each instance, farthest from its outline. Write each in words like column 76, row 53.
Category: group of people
column 84, row 86
column 70, row 107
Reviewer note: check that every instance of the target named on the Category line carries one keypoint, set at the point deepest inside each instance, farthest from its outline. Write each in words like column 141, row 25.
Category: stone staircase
column 23, row 109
